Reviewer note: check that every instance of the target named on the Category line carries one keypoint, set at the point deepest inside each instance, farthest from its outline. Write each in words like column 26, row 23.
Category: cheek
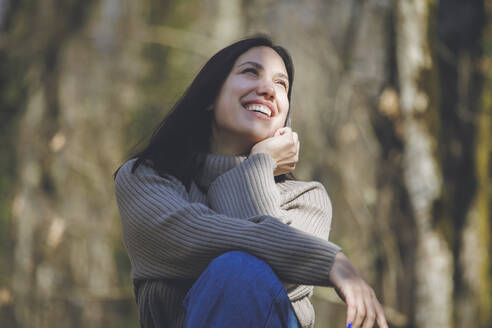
column 230, row 96
column 223, row 104
column 284, row 105
column 237, row 86
column 221, row 117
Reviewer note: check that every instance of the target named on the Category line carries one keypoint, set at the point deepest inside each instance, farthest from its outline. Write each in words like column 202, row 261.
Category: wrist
column 264, row 159
column 341, row 269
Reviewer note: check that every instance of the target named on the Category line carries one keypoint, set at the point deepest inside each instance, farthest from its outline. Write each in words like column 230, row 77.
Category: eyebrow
column 260, row 67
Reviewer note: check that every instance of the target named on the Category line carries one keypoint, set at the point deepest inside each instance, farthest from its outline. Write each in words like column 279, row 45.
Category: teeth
column 260, row 108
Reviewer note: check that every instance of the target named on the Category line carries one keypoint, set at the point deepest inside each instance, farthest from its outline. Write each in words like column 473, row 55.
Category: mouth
column 259, row 109
column 264, row 109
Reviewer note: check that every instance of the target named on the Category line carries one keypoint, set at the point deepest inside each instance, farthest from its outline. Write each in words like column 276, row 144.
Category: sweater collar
column 214, row 166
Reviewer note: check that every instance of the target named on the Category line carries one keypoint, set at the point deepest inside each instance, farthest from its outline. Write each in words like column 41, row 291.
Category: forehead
column 265, row 56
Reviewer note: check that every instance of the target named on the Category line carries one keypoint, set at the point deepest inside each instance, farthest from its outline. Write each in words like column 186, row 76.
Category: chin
column 260, row 136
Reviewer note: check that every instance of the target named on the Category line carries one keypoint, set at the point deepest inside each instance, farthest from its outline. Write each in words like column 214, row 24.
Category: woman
column 217, row 232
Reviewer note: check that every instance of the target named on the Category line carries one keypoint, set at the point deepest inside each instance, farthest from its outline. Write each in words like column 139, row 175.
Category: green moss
column 428, row 80
column 428, row 83
column 484, row 167
column 483, row 152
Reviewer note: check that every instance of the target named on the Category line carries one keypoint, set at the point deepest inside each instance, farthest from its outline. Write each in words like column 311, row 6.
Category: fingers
column 289, row 143
column 282, row 131
column 351, row 310
column 292, row 139
column 370, row 304
column 284, row 147
column 360, row 311
column 364, row 310
column 375, row 312
column 297, row 143
column 380, row 317
column 286, row 134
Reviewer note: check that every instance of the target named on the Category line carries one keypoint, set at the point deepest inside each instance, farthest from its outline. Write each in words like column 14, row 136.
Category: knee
column 242, row 268
column 236, row 289
column 236, row 259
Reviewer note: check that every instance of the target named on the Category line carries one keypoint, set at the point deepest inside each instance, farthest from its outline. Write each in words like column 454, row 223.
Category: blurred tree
column 392, row 102
column 463, row 214
column 422, row 174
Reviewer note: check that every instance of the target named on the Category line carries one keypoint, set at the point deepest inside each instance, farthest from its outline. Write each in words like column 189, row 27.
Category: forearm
column 169, row 237
column 249, row 189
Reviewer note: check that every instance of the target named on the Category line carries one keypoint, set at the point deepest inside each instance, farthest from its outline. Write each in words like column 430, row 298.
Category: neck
column 228, row 145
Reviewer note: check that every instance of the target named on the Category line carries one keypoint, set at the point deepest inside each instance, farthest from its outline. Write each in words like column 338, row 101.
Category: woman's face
column 252, row 103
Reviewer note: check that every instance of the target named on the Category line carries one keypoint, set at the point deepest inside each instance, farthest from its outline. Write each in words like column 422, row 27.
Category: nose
column 267, row 90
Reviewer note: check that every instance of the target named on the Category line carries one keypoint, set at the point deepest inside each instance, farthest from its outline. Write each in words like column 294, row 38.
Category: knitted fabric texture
column 171, row 234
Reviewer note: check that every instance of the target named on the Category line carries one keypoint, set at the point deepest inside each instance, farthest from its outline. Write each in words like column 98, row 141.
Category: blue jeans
column 238, row 290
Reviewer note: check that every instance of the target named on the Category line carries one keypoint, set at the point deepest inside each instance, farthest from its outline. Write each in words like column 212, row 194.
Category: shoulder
column 127, row 172
column 130, row 176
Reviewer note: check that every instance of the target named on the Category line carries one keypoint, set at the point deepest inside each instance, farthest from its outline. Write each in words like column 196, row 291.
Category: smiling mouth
column 259, row 109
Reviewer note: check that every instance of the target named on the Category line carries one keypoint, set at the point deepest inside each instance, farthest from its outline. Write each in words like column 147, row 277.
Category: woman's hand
column 283, row 147
column 363, row 308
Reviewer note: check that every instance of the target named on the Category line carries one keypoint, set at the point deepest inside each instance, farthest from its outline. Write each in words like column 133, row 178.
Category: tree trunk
column 392, row 109
column 465, row 147
column 422, row 176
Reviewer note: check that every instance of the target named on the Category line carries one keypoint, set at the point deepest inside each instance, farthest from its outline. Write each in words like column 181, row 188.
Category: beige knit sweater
column 171, row 234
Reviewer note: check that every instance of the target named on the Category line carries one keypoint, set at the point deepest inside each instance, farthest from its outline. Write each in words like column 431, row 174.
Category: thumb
column 281, row 131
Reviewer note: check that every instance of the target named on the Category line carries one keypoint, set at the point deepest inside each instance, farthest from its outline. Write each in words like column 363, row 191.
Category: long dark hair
column 180, row 142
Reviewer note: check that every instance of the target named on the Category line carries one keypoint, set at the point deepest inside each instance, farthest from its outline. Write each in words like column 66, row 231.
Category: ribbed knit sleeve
column 250, row 189
column 167, row 236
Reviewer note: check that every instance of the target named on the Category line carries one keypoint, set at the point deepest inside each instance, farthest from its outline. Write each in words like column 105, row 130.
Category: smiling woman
column 217, row 231
column 252, row 103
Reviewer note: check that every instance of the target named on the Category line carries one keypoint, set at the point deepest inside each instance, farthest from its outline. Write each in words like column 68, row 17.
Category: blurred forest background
column 392, row 101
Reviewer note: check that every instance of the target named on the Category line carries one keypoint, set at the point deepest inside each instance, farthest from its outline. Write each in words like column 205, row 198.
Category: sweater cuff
column 247, row 190
column 265, row 158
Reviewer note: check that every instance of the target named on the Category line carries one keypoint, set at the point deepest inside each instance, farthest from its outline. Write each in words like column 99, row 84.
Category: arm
column 249, row 189
column 169, row 237
column 363, row 307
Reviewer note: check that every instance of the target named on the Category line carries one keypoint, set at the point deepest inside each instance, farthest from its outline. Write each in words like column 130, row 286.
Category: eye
column 282, row 83
column 250, row 70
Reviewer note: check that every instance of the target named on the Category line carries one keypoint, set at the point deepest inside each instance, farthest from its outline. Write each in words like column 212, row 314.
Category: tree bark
column 385, row 103
column 422, row 176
